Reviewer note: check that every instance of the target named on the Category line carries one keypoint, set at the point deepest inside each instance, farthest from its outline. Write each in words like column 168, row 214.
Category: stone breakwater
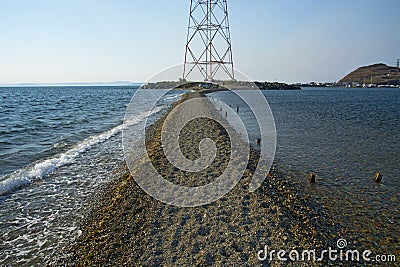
column 126, row 226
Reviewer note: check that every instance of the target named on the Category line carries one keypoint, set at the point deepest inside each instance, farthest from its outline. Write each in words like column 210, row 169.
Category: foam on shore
column 38, row 170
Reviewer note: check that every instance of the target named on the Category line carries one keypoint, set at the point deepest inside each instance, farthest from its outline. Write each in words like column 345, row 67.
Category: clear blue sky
column 46, row 41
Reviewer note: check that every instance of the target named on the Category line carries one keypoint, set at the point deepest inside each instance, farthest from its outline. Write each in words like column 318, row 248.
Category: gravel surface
column 128, row 227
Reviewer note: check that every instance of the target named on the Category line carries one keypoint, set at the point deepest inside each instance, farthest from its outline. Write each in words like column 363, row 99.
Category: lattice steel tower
column 208, row 46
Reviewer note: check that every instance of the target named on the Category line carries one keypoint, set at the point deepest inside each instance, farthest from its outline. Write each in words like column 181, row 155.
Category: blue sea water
column 345, row 136
column 57, row 146
column 39, row 122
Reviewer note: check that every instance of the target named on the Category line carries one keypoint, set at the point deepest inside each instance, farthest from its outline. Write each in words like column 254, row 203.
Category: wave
column 173, row 97
column 30, row 174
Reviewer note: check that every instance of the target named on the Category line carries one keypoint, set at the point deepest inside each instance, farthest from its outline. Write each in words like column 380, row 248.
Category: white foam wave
column 173, row 97
column 26, row 176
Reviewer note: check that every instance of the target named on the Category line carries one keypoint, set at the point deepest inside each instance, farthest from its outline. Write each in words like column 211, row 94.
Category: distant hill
column 378, row 74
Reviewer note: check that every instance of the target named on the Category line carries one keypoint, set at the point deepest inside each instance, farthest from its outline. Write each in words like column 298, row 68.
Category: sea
column 345, row 136
column 59, row 145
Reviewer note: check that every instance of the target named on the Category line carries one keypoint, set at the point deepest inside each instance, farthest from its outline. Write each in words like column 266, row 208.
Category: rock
column 311, row 177
column 378, row 177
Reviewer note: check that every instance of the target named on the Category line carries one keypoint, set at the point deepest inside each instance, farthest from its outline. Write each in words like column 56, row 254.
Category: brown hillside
column 380, row 74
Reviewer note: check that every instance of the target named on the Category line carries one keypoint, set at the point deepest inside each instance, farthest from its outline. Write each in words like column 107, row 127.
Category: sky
column 55, row 41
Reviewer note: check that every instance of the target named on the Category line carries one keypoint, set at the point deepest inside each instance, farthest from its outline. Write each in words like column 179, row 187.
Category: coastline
column 127, row 226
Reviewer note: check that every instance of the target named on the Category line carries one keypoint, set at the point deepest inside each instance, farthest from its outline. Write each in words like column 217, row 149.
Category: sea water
column 344, row 136
column 57, row 146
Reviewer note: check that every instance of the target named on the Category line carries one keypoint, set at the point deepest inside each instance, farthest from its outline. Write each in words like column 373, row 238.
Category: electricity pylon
column 208, row 46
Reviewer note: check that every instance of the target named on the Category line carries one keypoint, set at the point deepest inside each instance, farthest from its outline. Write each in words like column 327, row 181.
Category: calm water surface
column 344, row 136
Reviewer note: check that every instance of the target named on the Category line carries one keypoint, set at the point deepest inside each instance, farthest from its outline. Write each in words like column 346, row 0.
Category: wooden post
column 378, row 177
column 311, row 177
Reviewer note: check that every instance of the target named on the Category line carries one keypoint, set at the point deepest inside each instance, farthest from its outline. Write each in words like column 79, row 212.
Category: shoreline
column 127, row 226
